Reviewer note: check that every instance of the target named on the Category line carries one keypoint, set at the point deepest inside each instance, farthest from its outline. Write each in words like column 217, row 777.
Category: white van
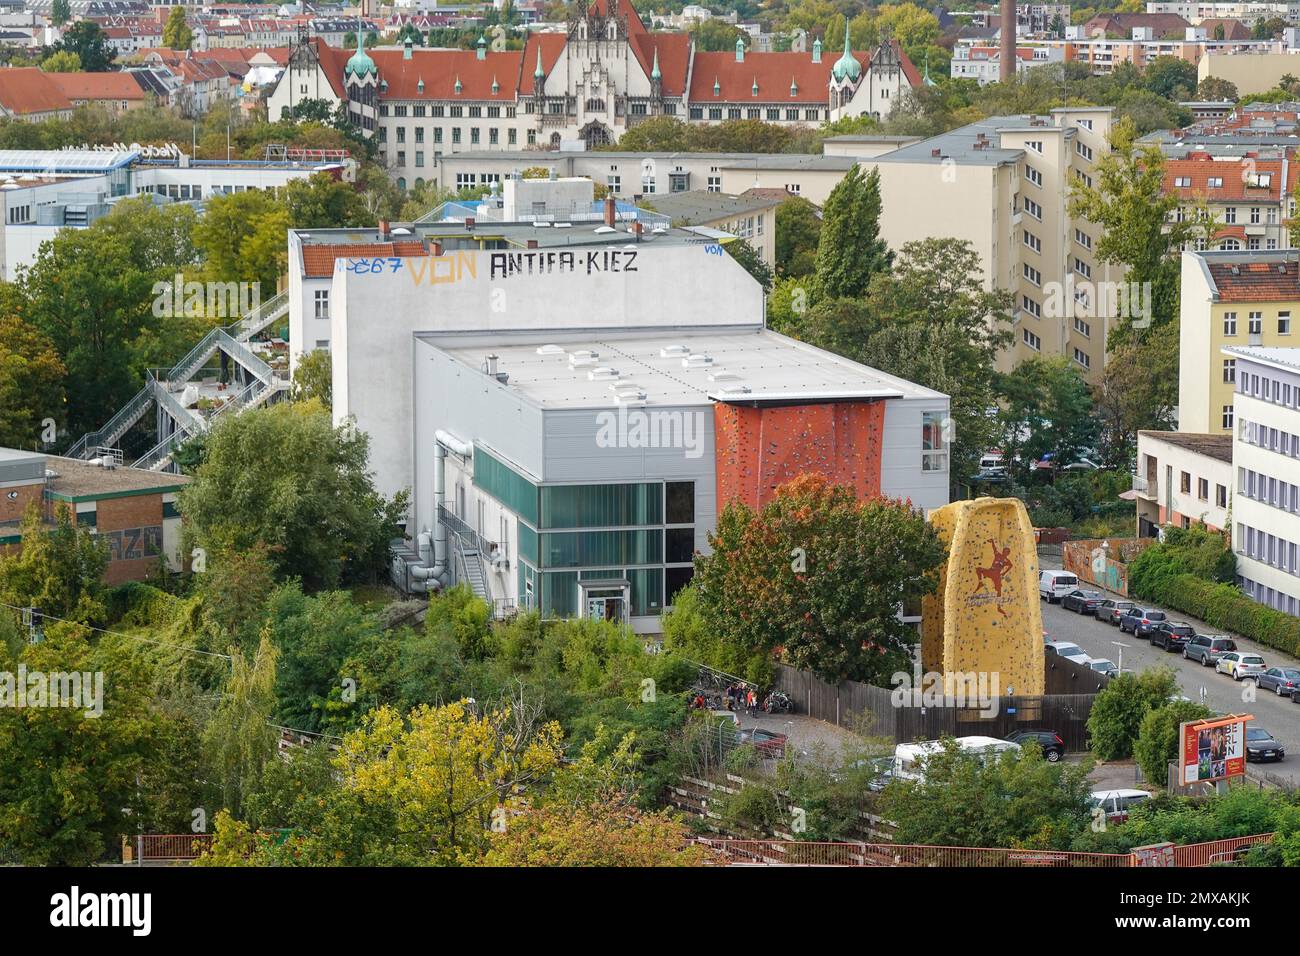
column 909, row 759
column 1054, row 585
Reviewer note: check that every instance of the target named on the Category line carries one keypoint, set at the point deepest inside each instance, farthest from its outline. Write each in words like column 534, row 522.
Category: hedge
column 1221, row 606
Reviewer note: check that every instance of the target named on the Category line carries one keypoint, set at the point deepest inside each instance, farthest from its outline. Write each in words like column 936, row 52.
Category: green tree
column 238, row 742
column 241, row 237
column 1157, row 741
column 1046, row 410
column 1170, row 77
column 61, row 61
column 323, row 202
column 285, row 477
column 58, row 569
column 798, row 229
column 716, row 35
column 1133, row 208
column 61, row 12
column 1217, row 88
column 177, row 34
column 1138, row 390
column 1016, row 800
column 314, row 378
column 689, row 633
column 821, row 575
column 850, row 250
column 31, row 383
column 73, row 781
column 751, row 261
column 88, row 42
column 1116, row 716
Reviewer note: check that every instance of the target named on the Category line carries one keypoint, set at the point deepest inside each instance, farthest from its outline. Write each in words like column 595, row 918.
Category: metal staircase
column 470, row 566
column 231, row 340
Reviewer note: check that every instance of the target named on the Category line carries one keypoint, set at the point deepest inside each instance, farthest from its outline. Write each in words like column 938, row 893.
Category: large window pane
column 597, row 506
column 560, row 594
column 601, row 548
column 681, row 502
column 647, row 590
column 679, row 545
column 505, row 484
column 674, row 580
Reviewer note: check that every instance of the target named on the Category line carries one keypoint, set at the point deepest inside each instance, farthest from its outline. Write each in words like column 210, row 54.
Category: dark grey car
column 1111, row 611
column 1206, row 649
column 1139, row 621
column 1280, row 680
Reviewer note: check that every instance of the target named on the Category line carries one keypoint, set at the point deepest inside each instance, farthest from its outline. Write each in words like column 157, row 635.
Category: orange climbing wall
column 761, row 448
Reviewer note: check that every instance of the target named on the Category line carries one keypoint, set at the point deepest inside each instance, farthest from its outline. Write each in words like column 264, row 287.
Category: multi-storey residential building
column 1229, row 299
column 1248, row 11
column 1266, row 456
column 750, row 216
column 1003, row 185
column 1183, row 478
column 983, row 63
column 631, row 175
column 604, row 74
column 1248, row 197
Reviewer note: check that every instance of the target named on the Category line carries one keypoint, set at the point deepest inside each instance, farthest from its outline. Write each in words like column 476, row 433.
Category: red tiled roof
column 1199, row 168
column 26, row 90
column 440, row 69
column 1232, row 29
column 552, row 45
column 318, row 260
column 1161, row 24
column 774, row 73
column 97, row 86
column 1256, row 281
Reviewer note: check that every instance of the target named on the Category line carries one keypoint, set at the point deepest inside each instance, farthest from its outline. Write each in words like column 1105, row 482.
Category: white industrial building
column 570, row 404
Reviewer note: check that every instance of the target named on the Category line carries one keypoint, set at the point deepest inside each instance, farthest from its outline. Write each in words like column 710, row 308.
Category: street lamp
column 1120, row 663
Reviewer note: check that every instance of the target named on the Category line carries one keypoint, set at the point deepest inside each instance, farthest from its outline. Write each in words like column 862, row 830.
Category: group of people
column 739, row 697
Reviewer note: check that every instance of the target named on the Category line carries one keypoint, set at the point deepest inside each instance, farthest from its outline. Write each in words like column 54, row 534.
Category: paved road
column 1278, row 715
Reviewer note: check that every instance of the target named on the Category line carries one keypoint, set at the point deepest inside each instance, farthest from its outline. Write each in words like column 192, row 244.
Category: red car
column 769, row 744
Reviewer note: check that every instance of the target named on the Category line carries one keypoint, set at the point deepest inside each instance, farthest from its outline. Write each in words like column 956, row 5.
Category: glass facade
column 568, row 533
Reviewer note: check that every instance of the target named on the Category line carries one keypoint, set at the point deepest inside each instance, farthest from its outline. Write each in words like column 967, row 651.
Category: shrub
column 1157, row 741
column 1118, row 711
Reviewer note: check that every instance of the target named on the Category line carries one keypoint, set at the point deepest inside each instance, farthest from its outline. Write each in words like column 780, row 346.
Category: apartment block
column 1229, row 299
column 1183, row 478
column 1266, row 455
column 1003, row 184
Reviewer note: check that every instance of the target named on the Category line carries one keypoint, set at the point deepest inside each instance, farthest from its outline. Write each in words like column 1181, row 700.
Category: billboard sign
column 1212, row 750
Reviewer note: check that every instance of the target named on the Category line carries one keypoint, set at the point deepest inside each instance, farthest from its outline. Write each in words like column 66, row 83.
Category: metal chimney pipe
column 1007, row 23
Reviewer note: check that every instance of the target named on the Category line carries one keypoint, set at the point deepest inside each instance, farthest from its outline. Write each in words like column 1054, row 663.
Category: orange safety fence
column 1218, row 851
column 158, row 847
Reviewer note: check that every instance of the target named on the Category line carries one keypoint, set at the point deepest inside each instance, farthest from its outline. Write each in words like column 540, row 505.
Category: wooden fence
column 872, row 710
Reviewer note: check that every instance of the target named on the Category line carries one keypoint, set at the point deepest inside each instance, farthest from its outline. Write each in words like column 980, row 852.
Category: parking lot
column 1276, row 714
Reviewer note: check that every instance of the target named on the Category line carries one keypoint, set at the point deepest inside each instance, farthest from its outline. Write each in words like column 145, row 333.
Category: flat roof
column 654, row 363
column 65, row 160
column 699, row 205
column 1286, row 359
column 1214, row 446
column 547, row 235
column 76, row 480
column 959, row 145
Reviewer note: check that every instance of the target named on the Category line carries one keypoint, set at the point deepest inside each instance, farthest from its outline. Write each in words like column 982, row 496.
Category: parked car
column 1261, row 747
column 1117, row 803
column 1111, row 611
column 1208, row 648
column 1067, row 650
column 1282, row 681
column 1051, row 742
column 1054, row 585
column 769, row 744
column 1139, row 621
column 1103, row 666
column 1238, row 665
column 1085, row 602
column 1172, row 635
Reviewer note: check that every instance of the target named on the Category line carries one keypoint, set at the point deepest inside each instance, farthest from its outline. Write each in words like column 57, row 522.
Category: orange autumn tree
column 821, row 575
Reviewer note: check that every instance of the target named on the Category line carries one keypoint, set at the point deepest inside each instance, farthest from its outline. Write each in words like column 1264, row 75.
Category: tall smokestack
column 1007, row 23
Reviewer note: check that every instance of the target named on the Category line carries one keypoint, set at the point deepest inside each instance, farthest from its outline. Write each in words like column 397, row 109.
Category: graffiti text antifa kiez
column 505, row 264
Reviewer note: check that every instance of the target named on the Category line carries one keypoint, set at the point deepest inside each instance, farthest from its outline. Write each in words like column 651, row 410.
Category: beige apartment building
column 751, row 216
column 1229, row 299
column 1003, row 184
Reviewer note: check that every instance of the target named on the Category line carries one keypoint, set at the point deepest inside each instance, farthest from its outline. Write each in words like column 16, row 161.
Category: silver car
column 1238, row 665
